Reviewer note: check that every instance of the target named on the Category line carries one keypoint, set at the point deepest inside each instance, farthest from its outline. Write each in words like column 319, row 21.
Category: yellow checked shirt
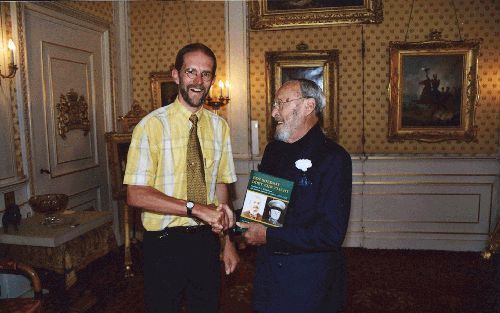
column 157, row 157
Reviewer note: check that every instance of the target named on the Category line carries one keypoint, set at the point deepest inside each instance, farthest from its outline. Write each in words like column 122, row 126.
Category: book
column 266, row 200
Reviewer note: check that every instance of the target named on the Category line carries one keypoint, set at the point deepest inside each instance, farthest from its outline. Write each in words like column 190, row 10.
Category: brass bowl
column 49, row 202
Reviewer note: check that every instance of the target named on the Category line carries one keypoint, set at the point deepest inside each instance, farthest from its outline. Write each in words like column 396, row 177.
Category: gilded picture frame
column 267, row 14
column 320, row 66
column 163, row 89
column 117, row 146
column 132, row 118
column 433, row 90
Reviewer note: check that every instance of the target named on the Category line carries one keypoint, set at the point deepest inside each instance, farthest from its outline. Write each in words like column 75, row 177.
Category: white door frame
column 79, row 18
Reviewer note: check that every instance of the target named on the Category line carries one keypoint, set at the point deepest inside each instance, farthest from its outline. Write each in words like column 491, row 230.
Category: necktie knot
column 194, row 119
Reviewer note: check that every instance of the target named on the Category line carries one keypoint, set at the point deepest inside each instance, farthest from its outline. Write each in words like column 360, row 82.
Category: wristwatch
column 189, row 208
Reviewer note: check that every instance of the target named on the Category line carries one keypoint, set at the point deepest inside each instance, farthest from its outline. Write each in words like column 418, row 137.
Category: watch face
column 189, row 205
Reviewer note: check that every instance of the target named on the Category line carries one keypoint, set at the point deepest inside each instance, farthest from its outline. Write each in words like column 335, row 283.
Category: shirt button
column 280, row 265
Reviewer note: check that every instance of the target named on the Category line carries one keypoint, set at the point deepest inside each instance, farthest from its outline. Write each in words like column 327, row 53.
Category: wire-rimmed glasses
column 192, row 73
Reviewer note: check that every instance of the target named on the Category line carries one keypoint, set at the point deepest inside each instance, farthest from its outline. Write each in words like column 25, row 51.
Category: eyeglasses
column 192, row 73
column 278, row 104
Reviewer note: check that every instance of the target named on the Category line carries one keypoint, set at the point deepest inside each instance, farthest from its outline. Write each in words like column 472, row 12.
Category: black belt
column 184, row 230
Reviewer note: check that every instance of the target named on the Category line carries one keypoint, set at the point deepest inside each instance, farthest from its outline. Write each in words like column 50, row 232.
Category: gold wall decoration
column 265, row 14
column 433, row 90
column 72, row 113
column 132, row 118
column 320, row 66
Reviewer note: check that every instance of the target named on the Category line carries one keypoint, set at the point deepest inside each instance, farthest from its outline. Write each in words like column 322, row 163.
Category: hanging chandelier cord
column 159, row 35
column 456, row 19
column 187, row 21
column 409, row 21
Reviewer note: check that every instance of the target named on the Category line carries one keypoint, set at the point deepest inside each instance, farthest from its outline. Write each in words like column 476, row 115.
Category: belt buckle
column 164, row 233
column 191, row 229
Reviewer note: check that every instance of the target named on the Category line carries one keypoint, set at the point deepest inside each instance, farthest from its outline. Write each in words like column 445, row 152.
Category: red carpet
column 380, row 281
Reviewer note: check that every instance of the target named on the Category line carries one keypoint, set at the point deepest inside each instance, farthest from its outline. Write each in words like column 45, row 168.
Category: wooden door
column 67, row 67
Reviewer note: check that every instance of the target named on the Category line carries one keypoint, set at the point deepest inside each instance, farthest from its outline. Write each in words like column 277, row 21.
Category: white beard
column 282, row 133
column 285, row 130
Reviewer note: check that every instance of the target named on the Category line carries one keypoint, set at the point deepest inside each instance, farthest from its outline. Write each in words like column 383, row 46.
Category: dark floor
column 385, row 281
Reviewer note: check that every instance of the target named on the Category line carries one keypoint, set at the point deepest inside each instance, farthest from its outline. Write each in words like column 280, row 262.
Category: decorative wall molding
column 122, row 57
column 416, row 201
column 237, row 57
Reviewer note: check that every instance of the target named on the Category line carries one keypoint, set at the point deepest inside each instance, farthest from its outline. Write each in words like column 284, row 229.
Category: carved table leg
column 494, row 243
column 69, row 271
column 126, row 231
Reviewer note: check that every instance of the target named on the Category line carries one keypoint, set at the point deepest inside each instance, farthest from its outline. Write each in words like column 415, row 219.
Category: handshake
column 220, row 218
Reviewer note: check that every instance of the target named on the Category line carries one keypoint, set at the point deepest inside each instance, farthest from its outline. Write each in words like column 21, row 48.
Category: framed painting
column 163, row 89
column 320, row 66
column 272, row 14
column 117, row 146
column 433, row 90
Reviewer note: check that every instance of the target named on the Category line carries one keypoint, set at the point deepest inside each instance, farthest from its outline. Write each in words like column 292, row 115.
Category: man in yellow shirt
column 181, row 242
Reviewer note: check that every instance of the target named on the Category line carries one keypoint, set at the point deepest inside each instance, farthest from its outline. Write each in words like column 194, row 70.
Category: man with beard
column 184, row 195
column 300, row 267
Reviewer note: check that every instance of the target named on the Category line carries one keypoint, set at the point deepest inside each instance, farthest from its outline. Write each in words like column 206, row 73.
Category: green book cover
column 266, row 200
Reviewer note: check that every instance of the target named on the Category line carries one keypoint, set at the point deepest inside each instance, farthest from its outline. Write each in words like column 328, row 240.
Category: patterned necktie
column 196, row 187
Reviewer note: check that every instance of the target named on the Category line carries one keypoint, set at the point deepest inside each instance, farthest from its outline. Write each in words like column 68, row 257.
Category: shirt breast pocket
column 211, row 166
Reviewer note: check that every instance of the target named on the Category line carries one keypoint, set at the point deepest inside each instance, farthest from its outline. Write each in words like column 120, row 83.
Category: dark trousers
column 177, row 262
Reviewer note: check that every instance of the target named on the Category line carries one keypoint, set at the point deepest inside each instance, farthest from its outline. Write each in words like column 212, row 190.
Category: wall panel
column 416, row 202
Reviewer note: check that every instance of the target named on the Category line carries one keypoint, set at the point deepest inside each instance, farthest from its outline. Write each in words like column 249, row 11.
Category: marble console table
column 65, row 247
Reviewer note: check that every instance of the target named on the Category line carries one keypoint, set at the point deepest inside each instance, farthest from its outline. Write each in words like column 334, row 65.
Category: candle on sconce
column 255, row 136
column 221, row 85
column 11, row 47
column 227, row 88
column 211, row 92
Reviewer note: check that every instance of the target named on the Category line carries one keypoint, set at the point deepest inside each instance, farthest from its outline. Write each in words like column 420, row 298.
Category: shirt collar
column 185, row 113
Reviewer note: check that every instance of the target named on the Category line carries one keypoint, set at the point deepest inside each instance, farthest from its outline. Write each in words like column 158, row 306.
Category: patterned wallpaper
column 478, row 20
column 159, row 29
column 100, row 9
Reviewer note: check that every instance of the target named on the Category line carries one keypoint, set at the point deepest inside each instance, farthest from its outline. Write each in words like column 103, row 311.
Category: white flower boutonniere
column 303, row 164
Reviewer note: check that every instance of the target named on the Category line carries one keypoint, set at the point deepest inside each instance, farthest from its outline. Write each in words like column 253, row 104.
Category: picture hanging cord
column 454, row 12
column 363, row 138
column 409, row 21
column 456, row 19
column 158, row 50
column 187, row 21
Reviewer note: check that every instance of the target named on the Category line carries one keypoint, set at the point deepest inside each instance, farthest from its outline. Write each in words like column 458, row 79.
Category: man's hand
column 229, row 256
column 255, row 233
column 212, row 216
column 229, row 221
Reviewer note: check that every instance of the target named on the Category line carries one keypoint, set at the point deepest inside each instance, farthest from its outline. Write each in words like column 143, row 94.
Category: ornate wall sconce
column 12, row 66
column 217, row 102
